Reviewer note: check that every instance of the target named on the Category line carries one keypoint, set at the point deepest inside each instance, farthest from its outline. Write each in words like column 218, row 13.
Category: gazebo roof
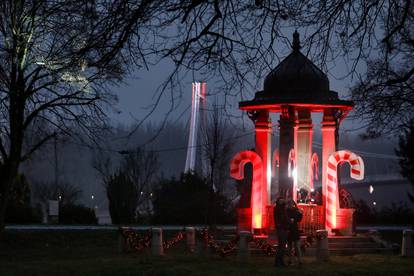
column 296, row 81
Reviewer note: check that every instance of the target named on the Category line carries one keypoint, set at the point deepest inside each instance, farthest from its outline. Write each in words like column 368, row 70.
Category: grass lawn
column 96, row 253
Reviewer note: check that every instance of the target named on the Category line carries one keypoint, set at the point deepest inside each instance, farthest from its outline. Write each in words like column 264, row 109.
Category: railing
column 313, row 219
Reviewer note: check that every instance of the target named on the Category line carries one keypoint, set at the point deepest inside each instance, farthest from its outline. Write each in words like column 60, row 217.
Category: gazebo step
column 350, row 251
column 354, row 245
column 348, row 239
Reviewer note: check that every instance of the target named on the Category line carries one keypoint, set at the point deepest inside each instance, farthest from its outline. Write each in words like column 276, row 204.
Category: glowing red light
column 237, row 171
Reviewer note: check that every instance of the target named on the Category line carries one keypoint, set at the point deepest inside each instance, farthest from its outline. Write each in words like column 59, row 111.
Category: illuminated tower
column 198, row 98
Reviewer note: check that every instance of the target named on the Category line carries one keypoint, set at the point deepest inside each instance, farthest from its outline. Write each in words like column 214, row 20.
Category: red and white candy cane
column 275, row 162
column 314, row 170
column 331, row 182
column 237, row 171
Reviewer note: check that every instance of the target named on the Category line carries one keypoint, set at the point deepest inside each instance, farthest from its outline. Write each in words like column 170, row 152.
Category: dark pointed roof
column 295, row 80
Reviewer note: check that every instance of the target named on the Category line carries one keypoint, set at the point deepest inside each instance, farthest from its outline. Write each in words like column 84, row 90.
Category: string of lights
column 262, row 244
column 134, row 241
column 222, row 250
column 172, row 242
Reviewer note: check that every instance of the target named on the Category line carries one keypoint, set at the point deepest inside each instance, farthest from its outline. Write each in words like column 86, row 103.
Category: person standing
column 282, row 226
column 294, row 215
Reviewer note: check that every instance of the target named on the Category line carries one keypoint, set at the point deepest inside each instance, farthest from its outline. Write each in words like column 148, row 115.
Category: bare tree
column 236, row 41
column 56, row 59
column 216, row 147
column 66, row 193
column 130, row 188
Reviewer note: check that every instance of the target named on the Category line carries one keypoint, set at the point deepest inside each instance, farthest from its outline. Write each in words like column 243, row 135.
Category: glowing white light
column 197, row 96
column 312, row 190
column 295, row 175
column 150, row 194
column 371, row 189
column 312, row 200
column 92, row 196
column 60, row 197
column 269, row 174
column 142, row 193
column 374, row 203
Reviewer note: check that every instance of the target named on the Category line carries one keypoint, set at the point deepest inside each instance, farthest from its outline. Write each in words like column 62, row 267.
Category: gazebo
column 296, row 88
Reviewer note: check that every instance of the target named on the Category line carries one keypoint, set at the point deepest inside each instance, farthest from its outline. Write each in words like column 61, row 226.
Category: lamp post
column 56, row 166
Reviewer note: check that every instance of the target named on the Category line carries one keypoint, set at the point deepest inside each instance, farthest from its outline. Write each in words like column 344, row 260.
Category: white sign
column 53, row 208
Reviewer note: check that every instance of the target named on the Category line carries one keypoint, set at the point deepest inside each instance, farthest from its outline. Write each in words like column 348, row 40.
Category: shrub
column 76, row 214
column 190, row 200
column 18, row 206
column 23, row 214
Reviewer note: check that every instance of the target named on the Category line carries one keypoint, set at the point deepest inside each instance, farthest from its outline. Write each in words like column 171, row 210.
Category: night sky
column 136, row 93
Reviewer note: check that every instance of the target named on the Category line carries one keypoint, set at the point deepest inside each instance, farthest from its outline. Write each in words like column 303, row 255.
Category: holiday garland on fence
column 222, row 250
column 264, row 246
column 172, row 242
column 133, row 241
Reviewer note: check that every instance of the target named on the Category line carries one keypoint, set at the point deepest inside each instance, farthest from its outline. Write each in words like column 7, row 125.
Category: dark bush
column 394, row 214
column 23, row 214
column 363, row 213
column 190, row 200
column 19, row 210
column 76, row 214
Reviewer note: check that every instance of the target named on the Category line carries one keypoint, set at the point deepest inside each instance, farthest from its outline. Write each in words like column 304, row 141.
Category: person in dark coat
column 282, row 227
column 294, row 215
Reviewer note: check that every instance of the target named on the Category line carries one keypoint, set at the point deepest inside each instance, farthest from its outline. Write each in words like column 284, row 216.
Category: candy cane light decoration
column 314, row 170
column 237, row 171
column 331, row 182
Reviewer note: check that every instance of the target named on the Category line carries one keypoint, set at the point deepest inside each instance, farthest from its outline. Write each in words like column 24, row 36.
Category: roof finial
column 296, row 42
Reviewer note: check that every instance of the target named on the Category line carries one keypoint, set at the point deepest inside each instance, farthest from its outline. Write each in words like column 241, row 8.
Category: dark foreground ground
column 96, row 253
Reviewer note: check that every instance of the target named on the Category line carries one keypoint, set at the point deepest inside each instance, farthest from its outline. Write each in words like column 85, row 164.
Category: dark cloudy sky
column 137, row 93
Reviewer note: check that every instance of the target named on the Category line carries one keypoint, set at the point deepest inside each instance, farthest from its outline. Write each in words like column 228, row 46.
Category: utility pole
column 56, row 168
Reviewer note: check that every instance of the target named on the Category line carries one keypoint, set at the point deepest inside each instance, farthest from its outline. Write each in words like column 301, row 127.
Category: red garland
column 222, row 250
column 264, row 246
column 134, row 240
column 172, row 242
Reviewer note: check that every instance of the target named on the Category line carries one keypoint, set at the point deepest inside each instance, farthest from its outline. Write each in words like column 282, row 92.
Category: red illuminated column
column 263, row 128
column 328, row 146
column 303, row 147
column 286, row 143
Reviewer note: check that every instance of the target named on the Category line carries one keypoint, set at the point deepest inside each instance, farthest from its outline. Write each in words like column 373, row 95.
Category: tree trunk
column 8, row 175
column 12, row 163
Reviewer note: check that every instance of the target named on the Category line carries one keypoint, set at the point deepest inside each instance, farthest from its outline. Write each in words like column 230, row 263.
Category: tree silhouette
column 406, row 152
column 57, row 59
column 130, row 188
